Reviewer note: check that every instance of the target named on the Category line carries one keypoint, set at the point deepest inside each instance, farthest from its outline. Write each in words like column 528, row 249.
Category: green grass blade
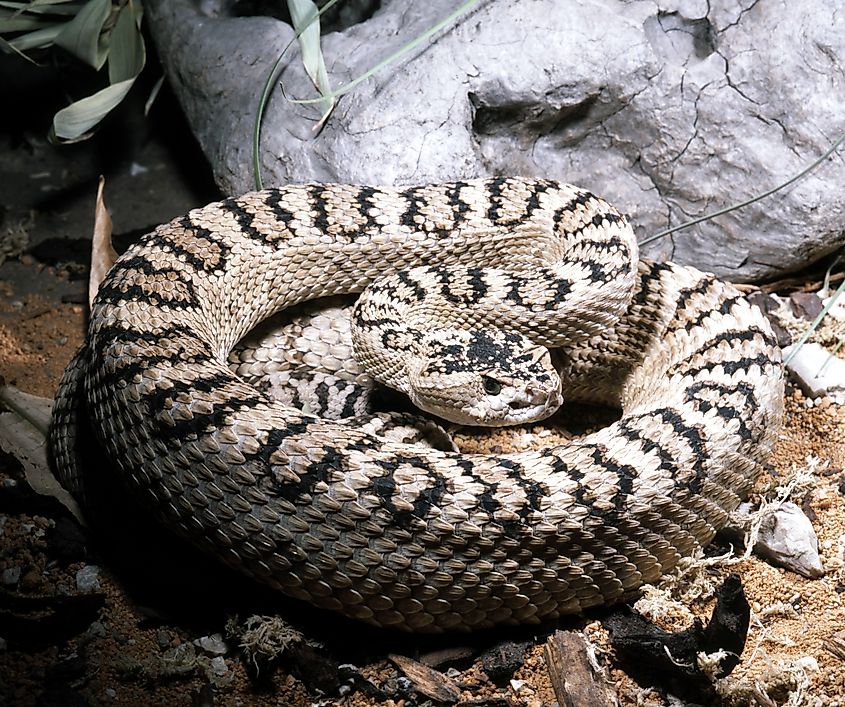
column 81, row 36
column 814, row 325
column 38, row 39
column 72, row 123
column 60, row 7
column 12, row 22
column 266, row 90
column 306, row 22
column 148, row 104
column 404, row 49
column 127, row 55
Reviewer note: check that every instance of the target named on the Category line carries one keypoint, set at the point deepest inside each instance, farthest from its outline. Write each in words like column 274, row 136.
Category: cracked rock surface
column 670, row 109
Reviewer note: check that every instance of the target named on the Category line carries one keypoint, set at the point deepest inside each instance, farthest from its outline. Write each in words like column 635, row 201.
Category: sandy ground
column 133, row 647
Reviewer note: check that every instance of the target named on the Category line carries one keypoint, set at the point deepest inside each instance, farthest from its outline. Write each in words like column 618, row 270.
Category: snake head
column 486, row 377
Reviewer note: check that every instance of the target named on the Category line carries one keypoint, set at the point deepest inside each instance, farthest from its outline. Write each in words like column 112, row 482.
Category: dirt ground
column 140, row 627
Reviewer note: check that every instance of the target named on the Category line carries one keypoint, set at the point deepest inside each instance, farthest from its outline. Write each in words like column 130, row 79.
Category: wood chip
column 427, row 681
column 573, row 678
column 836, row 645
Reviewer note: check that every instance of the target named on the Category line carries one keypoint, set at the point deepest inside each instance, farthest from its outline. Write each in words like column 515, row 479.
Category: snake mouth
column 546, row 399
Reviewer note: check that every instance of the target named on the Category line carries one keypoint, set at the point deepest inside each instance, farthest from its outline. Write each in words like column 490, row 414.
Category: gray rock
column 787, row 538
column 3, row 644
column 670, row 109
column 806, row 305
column 212, row 645
column 218, row 666
column 87, row 579
column 11, row 576
column 817, row 372
column 96, row 630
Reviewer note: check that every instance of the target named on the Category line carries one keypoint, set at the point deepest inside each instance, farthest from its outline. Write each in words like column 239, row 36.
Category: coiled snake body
column 395, row 534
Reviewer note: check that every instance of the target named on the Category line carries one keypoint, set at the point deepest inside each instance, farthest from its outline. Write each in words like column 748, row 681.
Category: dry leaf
column 103, row 254
column 23, row 434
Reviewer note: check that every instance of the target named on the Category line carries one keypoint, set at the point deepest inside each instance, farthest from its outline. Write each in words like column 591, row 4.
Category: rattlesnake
column 399, row 535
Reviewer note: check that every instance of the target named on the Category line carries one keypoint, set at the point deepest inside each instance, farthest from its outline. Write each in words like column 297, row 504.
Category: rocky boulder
column 669, row 109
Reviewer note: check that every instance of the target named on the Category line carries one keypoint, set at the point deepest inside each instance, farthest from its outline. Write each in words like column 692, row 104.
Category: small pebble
column 805, row 305
column 111, row 693
column 787, row 538
column 9, row 483
column 212, row 645
column 818, row 373
column 87, row 579
column 3, row 644
column 163, row 639
column 11, row 576
column 96, row 630
column 218, row 666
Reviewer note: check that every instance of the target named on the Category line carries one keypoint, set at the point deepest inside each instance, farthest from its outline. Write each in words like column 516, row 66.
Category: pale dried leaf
column 81, row 36
column 71, row 124
column 103, row 253
column 23, row 435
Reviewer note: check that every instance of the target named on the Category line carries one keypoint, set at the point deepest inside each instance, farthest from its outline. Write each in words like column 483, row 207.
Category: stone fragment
column 769, row 305
column 87, row 579
column 787, row 539
column 11, row 576
column 212, row 645
column 218, row 666
column 818, row 372
column 805, row 305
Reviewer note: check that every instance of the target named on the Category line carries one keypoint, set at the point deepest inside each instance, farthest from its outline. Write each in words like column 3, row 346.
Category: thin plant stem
column 393, row 57
column 267, row 89
column 821, row 315
column 733, row 207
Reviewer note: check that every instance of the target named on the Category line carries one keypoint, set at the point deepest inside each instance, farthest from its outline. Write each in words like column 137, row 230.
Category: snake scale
column 395, row 534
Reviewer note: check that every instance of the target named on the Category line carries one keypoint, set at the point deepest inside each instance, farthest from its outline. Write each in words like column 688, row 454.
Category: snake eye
column 491, row 386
